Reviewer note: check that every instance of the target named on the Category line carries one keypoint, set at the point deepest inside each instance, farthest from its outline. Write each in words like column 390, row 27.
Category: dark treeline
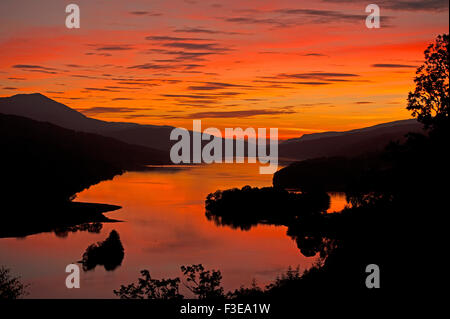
column 202, row 284
column 247, row 207
column 332, row 174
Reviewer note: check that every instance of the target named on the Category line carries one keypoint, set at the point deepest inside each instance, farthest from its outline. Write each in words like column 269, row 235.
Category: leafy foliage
column 149, row 288
column 10, row 287
column 254, row 291
column 430, row 100
column 205, row 284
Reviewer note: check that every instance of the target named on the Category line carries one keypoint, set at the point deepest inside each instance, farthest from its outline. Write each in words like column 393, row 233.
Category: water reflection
column 108, row 253
column 63, row 232
column 302, row 213
column 164, row 226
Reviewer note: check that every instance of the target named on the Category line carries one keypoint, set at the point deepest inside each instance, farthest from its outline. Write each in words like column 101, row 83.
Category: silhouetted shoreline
column 19, row 221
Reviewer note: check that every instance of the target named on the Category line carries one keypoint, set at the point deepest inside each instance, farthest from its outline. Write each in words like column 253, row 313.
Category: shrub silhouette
column 149, row 288
column 10, row 287
column 204, row 284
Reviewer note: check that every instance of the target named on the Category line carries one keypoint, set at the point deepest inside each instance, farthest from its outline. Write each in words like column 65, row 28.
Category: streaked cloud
column 210, row 86
column 314, row 54
column 172, row 38
column 205, row 31
column 35, row 68
column 248, row 58
column 146, row 13
column 390, row 65
column 403, row 5
column 114, row 48
column 196, row 46
column 325, row 16
column 100, row 110
column 237, row 114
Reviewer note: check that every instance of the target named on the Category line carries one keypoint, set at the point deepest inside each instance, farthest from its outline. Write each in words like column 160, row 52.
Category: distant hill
column 41, row 108
column 47, row 163
column 347, row 143
column 315, row 136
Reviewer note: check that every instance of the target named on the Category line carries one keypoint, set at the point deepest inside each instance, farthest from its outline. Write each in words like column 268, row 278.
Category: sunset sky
column 301, row 66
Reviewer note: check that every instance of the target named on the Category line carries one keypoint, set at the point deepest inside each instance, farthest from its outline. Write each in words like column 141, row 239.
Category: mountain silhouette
column 45, row 165
column 41, row 108
column 350, row 143
column 347, row 143
column 46, row 162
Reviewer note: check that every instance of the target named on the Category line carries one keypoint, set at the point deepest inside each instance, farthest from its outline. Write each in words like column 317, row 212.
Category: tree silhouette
column 430, row 101
column 149, row 288
column 205, row 284
column 10, row 287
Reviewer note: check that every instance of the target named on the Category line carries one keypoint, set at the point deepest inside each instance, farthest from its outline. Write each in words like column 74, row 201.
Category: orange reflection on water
column 164, row 226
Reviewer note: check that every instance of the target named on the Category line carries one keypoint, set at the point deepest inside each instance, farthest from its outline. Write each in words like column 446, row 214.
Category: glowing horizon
column 294, row 65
